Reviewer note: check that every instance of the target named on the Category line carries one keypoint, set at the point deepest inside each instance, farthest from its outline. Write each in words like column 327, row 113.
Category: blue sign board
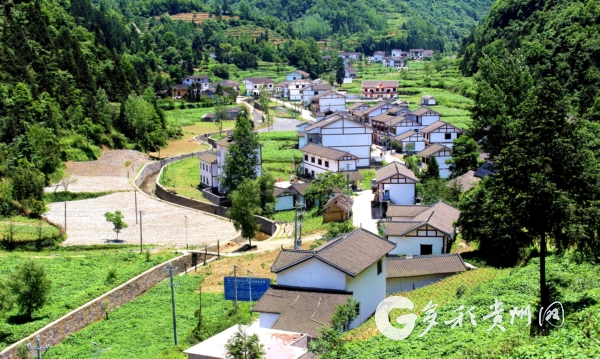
column 245, row 285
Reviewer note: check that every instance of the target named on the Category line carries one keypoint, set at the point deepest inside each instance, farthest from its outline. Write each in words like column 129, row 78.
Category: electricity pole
column 186, row 233
column 141, row 237
column 348, row 190
column 38, row 348
column 170, row 269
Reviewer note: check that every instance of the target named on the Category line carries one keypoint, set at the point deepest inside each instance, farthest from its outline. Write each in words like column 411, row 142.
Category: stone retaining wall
column 92, row 311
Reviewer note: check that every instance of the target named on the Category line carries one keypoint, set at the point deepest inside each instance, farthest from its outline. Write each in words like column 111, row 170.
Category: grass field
column 26, row 229
column 77, row 277
column 197, row 18
column 277, row 155
column 312, row 221
column 183, row 177
column 255, row 31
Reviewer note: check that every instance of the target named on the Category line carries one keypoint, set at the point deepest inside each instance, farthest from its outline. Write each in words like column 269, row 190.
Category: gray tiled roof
column 208, row 157
column 384, row 83
column 404, row 135
column 323, row 151
column 393, row 169
column 399, row 228
column 401, row 267
column 441, row 215
column 423, row 110
column 341, row 201
column 395, row 210
column 431, row 150
column 467, row 181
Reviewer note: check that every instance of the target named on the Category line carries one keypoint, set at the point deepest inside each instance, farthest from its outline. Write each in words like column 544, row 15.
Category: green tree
column 331, row 337
column 321, row 189
column 245, row 204
column 244, row 9
column 30, row 287
column 339, row 70
column 465, row 156
column 413, row 162
column 244, row 346
column 221, row 114
column 242, row 155
column 264, row 99
column 6, row 299
column 117, row 221
column 433, row 169
column 266, row 186
column 27, row 181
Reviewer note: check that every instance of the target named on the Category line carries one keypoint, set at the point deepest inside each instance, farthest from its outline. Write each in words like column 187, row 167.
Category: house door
column 426, row 249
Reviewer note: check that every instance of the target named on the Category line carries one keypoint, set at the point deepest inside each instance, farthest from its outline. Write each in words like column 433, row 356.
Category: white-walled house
column 329, row 101
column 311, row 91
column 415, row 53
column 357, row 106
column 378, row 55
column 428, row 100
column 442, row 133
column 294, row 89
column 208, row 170
column 411, row 141
column 318, row 159
column 421, row 229
column 222, row 150
column 340, row 132
column 391, row 61
column 201, row 79
column 349, row 72
column 297, row 75
column 399, row 53
column 367, row 114
column 395, row 183
column 255, row 84
column 311, row 283
column 405, row 125
column 404, row 274
column 380, row 89
column 441, row 153
column 424, row 116
column 284, row 198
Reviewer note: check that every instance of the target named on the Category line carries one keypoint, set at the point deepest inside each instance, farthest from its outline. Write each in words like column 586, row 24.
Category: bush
column 111, row 276
column 30, row 287
column 66, row 196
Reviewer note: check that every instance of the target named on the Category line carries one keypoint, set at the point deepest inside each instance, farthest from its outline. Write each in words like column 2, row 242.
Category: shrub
column 111, row 276
column 30, row 287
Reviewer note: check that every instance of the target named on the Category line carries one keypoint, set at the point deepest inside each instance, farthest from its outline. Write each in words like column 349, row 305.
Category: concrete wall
column 412, row 245
column 313, row 274
column 267, row 320
column 91, row 312
column 368, row 288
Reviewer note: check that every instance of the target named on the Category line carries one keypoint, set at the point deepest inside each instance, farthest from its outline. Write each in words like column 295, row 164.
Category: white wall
column 301, row 141
column 313, row 274
column 401, row 193
column 428, row 120
column 368, row 289
column 412, row 245
column 444, row 167
column 419, row 145
column 438, row 137
column 333, row 104
column 267, row 320
column 396, row 285
column 284, row 203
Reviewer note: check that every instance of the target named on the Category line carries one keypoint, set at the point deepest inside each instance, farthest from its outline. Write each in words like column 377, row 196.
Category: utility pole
column 38, row 348
column 235, row 286
column 170, row 269
column 186, row 233
column 141, row 236
column 250, row 289
column 298, row 227
column 98, row 351
column 348, row 190
column 135, row 199
column 65, row 216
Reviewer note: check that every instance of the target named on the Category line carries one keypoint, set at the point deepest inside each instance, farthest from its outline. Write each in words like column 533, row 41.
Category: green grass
column 183, row 177
column 277, row 154
column 312, row 221
column 77, row 277
column 65, row 196
column 143, row 328
column 188, row 117
column 368, row 174
column 26, row 229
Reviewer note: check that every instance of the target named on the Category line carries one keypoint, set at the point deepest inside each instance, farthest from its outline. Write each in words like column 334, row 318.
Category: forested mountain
column 558, row 39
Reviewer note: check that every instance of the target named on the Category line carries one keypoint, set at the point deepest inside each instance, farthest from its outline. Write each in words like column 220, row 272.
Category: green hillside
column 558, row 38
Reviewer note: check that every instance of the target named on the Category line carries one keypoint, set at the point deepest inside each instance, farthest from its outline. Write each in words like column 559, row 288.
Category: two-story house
column 411, row 141
column 340, row 132
column 441, row 153
column 424, row 116
column 312, row 90
column 349, row 57
column 380, row 89
column 329, row 101
column 294, row 89
column 179, row 90
column 392, row 61
column 201, row 79
column 311, row 283
column 415, row 53
column 442, row 133
column 318, row 159
column 297, row 75
column 367, row 114
column 255, row 84
column 428, row 100
column 378, row 55
column 222, row 151
column 395, row 183
column 399, row 53
column 357, row 106
column 349, row 72
column 208, row 170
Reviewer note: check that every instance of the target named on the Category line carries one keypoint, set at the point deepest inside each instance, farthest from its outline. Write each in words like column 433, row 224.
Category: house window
column 426, row 249
column 379, row 267
column 312, row 159
column 357, row 309
column 327, row 164
column 306, row 157
column 320, row 162
column 447, row 136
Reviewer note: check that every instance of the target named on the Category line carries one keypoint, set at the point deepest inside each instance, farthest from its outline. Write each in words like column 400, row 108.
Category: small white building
column 222, row 151
column 311, row 283
column 329, row 101
column 378, row 55
column 284, row 198
column 399, row 53
column 442, row 133
column 281, row 89
column 395, row 183
column 428, row 100
column 406, row 124
column 349, row 72
column 295, row 89
column 201, row 79
column 367, row 114
column 416, row 53
column 424, row 116
column 208, row 170
column 255, row 84
column 297, row 75
column 391, row 61
column 318, row 159
column 312, row 90
column 441, row 153
column 412, row 272
column 411, row 141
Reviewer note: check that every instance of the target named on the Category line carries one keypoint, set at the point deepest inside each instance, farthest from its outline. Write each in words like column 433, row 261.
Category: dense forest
column 557, row 38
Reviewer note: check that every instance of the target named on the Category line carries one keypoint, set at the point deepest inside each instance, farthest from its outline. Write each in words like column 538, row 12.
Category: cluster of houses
column 200, row 84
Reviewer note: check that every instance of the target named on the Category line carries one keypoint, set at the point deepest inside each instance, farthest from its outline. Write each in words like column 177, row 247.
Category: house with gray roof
column 395, row 183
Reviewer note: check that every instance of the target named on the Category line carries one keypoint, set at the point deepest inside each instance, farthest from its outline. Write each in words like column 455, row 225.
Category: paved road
column 363, row 214
column 305, row 114
column 163, row 223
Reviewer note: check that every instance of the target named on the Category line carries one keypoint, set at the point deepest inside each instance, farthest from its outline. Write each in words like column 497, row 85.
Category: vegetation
column 183, row 177
column 19, row 232
column 242, row 154
column 465, row 156
column 278, row 157
column 66, row 270
column 29, row 287
column 66, row 196
column 321, row 189
column 312, row 220
column 244, row 346
column 116, row 219
column 330, row 338
column 266, row 186
column 245, row 204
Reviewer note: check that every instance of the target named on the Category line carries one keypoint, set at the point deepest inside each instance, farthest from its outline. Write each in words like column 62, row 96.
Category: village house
column 337, row 209
column 399, row 53
column 294, row 89
column 349, row 57
column 357, row 106
column 326, row 58
column 395, row 183
column 226, row 83
column 222, row 150
column 352, row 265
column 232, row 114
column 441, row 153
column 380, row 89
column 285, row 198
column 340, row 132
column 387, row 124
column 378, row 55
column 406, row 273
column 442, row 133
column 297, row 75
column 201, row 79
column 179, row 90
column 411, row 141
column 391, row 61
column 403, row 124
column 349, row 72
column 367, row 114
column 469, row 180
column 312, row 90
column 421, row 229
column 281, row 89
column 318, row 159
column 427, row 53
column 424, row 116
column 255, row 84
column 329, row 101
column 428, row 100
column 208, row 170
